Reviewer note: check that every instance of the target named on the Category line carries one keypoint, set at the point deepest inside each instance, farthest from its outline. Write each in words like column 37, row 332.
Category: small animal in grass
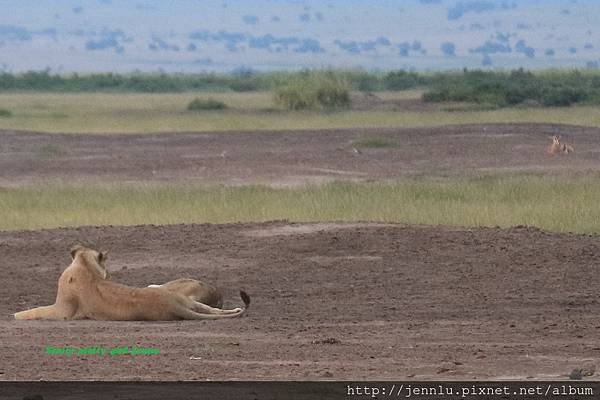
column 559, row 147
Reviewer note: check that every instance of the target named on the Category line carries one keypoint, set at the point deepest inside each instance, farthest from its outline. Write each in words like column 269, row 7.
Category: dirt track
column 290, row 157
column 330, row 301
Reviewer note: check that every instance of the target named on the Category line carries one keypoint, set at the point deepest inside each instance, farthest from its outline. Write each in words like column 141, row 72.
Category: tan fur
column 195, row 290
column 559, row 147
column 555, row 146
column 567, row 148
column 85, row 293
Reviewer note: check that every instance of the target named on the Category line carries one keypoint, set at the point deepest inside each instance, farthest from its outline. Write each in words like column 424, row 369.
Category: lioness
column 555, row 147
column 194, row 289
column 84, row 292
column 559, row 147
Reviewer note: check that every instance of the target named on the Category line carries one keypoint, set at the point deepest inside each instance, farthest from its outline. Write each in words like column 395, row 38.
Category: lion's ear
column 74, row 250
column 102, row 256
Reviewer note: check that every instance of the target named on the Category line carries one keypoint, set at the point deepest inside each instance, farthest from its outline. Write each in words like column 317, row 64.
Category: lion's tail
column 245, row 299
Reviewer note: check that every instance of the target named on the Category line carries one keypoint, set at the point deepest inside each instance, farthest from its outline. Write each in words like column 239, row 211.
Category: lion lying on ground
column 558, row 146
column 84, row 292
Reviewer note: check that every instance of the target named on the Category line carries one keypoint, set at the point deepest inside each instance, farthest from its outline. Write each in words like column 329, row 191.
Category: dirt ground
column 329, row 301
column 290, row 157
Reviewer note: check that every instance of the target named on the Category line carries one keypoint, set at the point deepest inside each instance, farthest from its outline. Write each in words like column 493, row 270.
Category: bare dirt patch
column 356, row 301
column 290, row 157
column 298, row 229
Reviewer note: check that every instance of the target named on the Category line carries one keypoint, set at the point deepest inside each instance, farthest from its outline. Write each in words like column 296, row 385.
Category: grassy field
column 553, row 203
column 140, row 113
column 556, row 203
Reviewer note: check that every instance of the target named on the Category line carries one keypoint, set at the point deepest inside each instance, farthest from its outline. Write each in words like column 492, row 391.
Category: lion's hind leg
column 186, row 313
column 205, row 309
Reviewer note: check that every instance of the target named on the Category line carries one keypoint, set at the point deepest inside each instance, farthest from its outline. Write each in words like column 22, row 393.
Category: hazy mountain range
column 229, row 35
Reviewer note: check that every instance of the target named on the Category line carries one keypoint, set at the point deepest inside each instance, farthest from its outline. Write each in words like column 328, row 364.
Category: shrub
column 5, row 113
column 561, row 97
column 368, row 82
column 400, row 80
column 518, row 87
column 150, row 84
column 314, row 90
column 206, row 104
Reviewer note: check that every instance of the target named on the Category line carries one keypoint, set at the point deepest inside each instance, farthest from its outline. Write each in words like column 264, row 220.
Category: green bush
column 500, row 89
column 366, row 82
column 329, row 89
column 401, row 80
column 313, row 91
column 5, row 113
column 206, row 104
column 563, row 96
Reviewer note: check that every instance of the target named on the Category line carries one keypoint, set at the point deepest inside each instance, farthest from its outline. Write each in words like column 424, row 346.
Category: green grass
column 140, row 113
column 555, row 203
column 199, row 104
column 376, row 142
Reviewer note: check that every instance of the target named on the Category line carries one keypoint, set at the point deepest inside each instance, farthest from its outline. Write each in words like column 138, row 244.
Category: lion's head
column 94, row 260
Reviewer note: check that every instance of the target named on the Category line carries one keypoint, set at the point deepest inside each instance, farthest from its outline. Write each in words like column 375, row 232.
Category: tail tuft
column 245, row 298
